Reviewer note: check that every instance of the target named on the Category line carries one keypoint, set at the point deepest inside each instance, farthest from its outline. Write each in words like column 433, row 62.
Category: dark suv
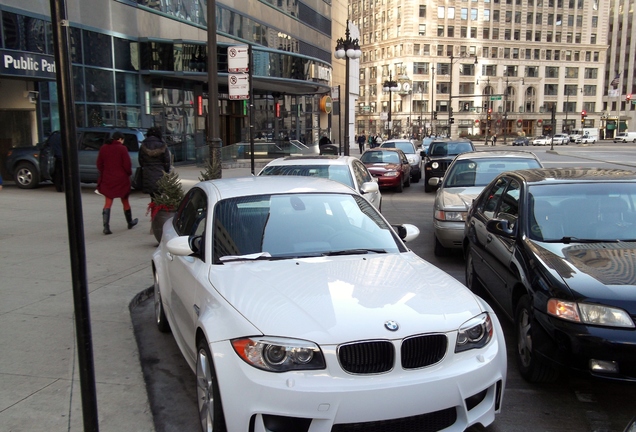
column 30, row 165
column 438, row 157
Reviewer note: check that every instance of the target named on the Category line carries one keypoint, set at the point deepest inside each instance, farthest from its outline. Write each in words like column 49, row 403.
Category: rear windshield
column 339, row 173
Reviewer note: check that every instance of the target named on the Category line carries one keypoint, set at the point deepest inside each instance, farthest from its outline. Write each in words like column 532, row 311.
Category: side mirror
column 180, row 246
column 434, row 181
column 423, row 153
column 501, row 227
column 406, row 232
column 369, row 187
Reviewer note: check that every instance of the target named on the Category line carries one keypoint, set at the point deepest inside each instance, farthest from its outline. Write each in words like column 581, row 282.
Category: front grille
column 423, row 350
column 372, row 357
column 429, row 422
column 368, row 357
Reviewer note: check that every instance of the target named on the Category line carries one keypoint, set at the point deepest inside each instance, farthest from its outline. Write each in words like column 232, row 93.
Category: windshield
column 380, row 157
column 583, row 211
column 406, row 147
column 449, row 148
column 339, row 173
column 479, row 172
column 299, row 225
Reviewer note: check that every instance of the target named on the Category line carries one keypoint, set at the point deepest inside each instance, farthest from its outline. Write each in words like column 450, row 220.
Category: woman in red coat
column 113, row 163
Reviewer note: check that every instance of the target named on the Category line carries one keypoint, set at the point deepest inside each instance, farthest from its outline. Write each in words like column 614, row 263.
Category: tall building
column 530, row 66
column 620, row 73
column 142, row 63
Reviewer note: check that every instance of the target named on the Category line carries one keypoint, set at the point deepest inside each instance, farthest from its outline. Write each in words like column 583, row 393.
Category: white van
column 625, row 137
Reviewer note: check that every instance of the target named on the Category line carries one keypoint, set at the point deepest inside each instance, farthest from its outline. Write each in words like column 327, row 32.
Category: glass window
column 99, row 85
column 126, row 54
column 97, row 49
column 127, row 87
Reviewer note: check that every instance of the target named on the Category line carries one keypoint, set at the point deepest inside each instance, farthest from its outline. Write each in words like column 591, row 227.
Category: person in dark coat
column 154, row 160
column 55, row 143
column 115, row 169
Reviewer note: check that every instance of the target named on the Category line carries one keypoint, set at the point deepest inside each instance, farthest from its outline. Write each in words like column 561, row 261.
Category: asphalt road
column 574, row 403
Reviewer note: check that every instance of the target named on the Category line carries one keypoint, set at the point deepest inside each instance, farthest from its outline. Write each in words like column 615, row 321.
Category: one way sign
column 239, row 85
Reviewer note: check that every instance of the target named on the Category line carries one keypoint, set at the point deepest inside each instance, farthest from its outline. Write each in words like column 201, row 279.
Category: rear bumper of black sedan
column 589, row 349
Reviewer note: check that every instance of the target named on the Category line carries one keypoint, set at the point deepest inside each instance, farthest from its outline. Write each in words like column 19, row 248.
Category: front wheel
column 531, row 367
column 400, row 187
column 26, row 176
column 160, row 315
column 208, row 393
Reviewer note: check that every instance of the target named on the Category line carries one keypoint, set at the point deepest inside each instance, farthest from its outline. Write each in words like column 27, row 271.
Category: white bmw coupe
column 300, row 309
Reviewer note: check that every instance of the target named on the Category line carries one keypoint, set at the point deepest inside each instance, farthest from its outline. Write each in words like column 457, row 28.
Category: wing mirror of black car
column 501, row 227
column 423, row 153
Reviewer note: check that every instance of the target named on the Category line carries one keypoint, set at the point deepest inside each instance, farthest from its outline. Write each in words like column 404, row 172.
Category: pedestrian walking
column 114, row 165
column 154, row 160
column 361, row 140
column 494, row 140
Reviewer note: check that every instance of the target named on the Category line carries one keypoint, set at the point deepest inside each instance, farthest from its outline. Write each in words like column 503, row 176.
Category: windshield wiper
column 568, row 240
column 354, row 252
column 250, row 257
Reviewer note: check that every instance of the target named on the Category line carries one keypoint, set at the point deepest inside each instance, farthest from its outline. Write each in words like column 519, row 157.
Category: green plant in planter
column 170, row 194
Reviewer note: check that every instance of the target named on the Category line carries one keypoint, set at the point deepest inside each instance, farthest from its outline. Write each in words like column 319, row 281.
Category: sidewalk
column 39, row 380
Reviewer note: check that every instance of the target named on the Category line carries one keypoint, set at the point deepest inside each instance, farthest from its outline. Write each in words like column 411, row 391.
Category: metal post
column 213, row 138
column 432, row 96
column 567, row 108
column 450, row 96
column 505, row 111
column 390, row 109
column 347, row 98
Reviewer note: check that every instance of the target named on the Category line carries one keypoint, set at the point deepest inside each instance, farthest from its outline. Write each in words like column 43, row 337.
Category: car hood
column 601, row 272
column 383, row 167
column 332, row 300
column 460, row 198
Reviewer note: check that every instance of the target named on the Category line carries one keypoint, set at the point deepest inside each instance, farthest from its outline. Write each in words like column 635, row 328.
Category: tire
column 440, row 250
column 531, row 367
column 208, row 395
column 472, row 282
column 408, row 181
column 26, row 176
column 427, row 187
column 400, row 187
column 160, row 314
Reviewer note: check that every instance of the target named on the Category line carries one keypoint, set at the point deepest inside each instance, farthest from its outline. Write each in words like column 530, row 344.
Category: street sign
column 237, row 58
column 366, row 108
column 493, row 98
column 384, row 116
column 239, row 86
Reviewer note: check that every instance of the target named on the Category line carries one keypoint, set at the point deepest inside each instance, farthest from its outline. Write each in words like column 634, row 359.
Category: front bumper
column 463, row 389
column 576, row 345
column 385, row 181
column 449, row 234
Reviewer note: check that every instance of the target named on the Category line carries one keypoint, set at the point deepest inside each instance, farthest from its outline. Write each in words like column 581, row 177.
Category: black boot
column 131, row 222
column 106, row 217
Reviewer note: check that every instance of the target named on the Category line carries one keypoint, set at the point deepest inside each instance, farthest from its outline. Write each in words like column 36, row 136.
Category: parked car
column 521, row 141
column 31, row 165
column 542, row 140
column 561, row 139
column 440, row 154
column 409, row 149
column 347, row 170
column 585, row 139
column 426, row 142
column 466, row 177
column 625, row 137
column 555, row 249
column 389, row 166
column 283, row 299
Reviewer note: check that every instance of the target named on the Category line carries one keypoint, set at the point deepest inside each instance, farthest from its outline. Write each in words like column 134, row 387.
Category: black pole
column 339, row 121
column 250, row 74
column 214, row 135
column 346, row 119
column 77, row 247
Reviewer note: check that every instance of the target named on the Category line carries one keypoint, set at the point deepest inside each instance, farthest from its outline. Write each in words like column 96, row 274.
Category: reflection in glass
column 127, row 85
column 101, row 115
column 99, row 85
column 97, row 49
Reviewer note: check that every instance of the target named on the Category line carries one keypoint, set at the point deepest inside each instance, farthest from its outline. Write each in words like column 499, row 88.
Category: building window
column 473, row 14
column 420, row 68
column 593, row 38
column 489, row 70
column 441, row 12
column 422, row 30
column 451, row 31
column 589, row 90
column 485, row 33
column 571, row 72
column 440, row 30
column 463, row 14
column 532, row 72
column 422, row 11
column 486, row 16
column 551, row 72
column 591, row 73
column 510, row 71
column 551, row 89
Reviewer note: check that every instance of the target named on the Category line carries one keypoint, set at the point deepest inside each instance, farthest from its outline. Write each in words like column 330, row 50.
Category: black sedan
column 556, row 249
column 521, row 141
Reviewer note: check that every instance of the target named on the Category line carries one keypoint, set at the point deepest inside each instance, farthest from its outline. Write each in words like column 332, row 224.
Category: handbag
column 138, row 179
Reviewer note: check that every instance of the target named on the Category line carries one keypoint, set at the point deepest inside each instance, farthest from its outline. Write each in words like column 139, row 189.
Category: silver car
column 413, row 156
column 347, row 170
column 465, row 178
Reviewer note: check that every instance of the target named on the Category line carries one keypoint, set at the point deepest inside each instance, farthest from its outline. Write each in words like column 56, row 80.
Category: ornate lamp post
column 390, row 86
column 347, row 49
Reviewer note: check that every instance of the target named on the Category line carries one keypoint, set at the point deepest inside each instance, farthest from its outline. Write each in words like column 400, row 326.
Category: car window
column 509, row 204
column 92, row 141
column 489, row 201
column 339, row 173
column 480, row 172
column 191, row 217
column 361, row 173
column 296, row 225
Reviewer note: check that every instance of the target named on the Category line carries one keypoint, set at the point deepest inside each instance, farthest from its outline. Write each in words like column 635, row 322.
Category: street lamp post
column 390, row 86
column 432, row 97
column 347, row 49
column 505, row 124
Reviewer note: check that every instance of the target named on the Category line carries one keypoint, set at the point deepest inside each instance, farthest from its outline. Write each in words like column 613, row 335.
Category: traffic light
column 450, row 111
column 489, row 113
column 434, row 115
column 628, row 97
column 583, row 116
column 451, row 120
column 277, row 108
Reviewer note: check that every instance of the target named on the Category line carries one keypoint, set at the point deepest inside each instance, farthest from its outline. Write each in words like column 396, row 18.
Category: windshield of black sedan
column 582, row 211
column 479, row 172
column 299, row 225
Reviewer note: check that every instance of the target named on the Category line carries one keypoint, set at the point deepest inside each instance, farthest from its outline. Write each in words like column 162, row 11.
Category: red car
column 390, row 166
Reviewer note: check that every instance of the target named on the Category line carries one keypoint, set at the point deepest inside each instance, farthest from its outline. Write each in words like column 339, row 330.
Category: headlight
column 391, row 174
column 279, row 354
column 587, row 313
column 435, row 165
column 474, row 333
column 452, row 216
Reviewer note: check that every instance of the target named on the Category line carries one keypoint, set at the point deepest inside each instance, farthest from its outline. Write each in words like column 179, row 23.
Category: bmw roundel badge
column 391, row 325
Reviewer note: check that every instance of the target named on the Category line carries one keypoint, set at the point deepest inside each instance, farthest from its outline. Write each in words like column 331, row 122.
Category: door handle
column 488, row 238
column 169, row 255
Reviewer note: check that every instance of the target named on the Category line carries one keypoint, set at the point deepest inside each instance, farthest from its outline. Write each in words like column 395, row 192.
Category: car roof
column 524, row 154
column 575, row 175
column 312, row 160
column 396, row 141
column 266, row 185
